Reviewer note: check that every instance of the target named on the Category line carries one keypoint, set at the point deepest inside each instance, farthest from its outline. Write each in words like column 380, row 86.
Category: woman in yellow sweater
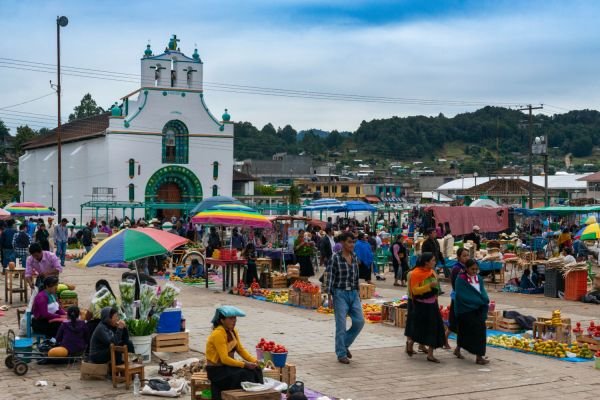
column 223, row 370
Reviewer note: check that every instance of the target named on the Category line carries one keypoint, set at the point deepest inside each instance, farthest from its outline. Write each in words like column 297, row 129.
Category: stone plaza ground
column 380, row 368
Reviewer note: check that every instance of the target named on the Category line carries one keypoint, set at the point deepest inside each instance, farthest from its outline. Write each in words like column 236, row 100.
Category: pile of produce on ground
column 549, row 348
column 188, row 370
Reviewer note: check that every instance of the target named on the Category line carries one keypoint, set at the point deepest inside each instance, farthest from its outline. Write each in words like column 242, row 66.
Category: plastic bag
column 268, row 384
column 102, row 298
column 147, row 300
column 166, row 298
column 127, row 289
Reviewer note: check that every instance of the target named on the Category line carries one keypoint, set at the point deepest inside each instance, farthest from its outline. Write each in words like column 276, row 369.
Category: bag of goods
column 102, row 298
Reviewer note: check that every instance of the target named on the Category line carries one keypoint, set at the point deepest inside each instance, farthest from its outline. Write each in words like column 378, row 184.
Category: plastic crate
column 169, row 321
column 554, row 283
column 576, row 285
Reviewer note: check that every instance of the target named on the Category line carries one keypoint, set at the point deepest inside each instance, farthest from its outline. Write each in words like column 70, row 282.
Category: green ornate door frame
column 188, row 182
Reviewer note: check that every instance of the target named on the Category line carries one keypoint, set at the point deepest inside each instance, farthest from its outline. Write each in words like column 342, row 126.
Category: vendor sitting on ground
column 224, row 371
column 46, row 312
column 111, row 330
column 72, row 336
column 526, row 282
column 195, row 270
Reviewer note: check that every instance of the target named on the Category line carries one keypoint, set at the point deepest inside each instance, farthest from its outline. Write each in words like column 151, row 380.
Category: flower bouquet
column 127, row 289
column 166, row 298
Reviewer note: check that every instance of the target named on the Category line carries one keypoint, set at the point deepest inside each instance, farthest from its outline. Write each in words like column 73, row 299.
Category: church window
column 215, row 190
column 131, row 168
column 175, row 140
column 131, row 192
column 215, row 170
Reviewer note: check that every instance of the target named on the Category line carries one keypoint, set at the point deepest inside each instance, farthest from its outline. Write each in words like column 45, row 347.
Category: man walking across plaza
column 21, row 242
column 61, row 235
column 342, row 287
column 8, row 251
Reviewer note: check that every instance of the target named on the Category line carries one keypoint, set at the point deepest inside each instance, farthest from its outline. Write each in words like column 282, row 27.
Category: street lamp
column 23, row 185
column 60, row 22
column 475, row 175
column 52, row 195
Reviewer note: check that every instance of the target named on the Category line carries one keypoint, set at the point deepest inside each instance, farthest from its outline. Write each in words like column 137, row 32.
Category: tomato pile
column 306, row 287
column 592, row 329
column 271, row 346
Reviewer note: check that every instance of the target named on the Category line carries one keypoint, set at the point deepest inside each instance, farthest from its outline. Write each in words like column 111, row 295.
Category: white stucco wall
column 103, row 162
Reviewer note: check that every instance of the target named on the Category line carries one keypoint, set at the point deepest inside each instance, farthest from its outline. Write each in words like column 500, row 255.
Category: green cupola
column 226, row 117
column 196, row 56
column 148, row 51
column 115, row 110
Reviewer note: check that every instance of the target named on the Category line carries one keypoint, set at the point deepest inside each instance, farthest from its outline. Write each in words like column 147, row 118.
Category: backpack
column 22, row 241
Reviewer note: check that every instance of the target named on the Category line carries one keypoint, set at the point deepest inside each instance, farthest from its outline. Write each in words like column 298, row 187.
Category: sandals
column 422, row 349
column 410, row 352
column 482, row 361
column 433, row 360
column 458, row 355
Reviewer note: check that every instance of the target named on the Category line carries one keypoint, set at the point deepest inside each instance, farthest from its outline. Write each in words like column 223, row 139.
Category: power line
column 27, row 101
column 240, row 89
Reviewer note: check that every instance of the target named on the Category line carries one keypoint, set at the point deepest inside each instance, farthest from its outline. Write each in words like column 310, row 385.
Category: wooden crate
column 310, row 300
column 286, row 374
column 199, row 382
column 278, row 282
column 269, row 394
column 294, row 297
column 593, row 344
column 492, row 319
column 561, row 333
column 171, row 342
column 393, row 315
column 366, row 291
column 508, row 325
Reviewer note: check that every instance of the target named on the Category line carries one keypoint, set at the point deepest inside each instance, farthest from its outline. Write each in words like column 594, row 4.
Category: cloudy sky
column 423, row 57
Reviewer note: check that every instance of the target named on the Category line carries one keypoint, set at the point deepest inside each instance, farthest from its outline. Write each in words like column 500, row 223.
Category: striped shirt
column 340, row 275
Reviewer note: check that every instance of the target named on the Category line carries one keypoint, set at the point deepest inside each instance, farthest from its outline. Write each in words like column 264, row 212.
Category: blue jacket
column 363, row 252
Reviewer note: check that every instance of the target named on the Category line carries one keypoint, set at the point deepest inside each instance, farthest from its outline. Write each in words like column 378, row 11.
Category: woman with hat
column 223, row 370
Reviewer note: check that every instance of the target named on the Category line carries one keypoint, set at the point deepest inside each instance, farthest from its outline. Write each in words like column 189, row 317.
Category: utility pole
column 60, row 22
column 530, row 108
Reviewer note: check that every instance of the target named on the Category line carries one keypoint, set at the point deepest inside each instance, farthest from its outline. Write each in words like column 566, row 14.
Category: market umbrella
column 355, row 205
column 591, row 232
column 213, row 201
column 232, row 215
column 4, row 214
column 323, row 205
column 132, row 244
column 27, row 209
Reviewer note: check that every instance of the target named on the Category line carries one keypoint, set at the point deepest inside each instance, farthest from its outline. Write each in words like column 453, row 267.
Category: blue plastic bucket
column 279, row 359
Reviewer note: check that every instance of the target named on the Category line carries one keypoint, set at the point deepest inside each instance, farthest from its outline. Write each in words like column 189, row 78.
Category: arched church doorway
column 168, row 192
column 171, row 187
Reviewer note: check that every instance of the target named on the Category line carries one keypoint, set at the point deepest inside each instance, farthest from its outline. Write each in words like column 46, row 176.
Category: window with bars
column 175, row 143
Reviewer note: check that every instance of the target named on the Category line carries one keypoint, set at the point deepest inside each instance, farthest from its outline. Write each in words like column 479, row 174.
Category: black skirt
column 452, row 323
column 472, row 331
column 408, row 329
column 230, row 378
column 306, row 267
column 364, row 271
column 427, row 327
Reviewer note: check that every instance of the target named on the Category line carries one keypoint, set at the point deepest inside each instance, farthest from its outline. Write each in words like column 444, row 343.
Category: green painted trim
column 216, row 136
column 128, row 122
column 188, row 182
column 126, row 106
column 221, row 126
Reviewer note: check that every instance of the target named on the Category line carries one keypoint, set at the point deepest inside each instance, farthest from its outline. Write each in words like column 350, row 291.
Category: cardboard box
column 241, row 394
column 91, row 371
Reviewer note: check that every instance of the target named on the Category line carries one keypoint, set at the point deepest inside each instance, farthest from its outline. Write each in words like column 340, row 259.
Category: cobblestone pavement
column 380, row 369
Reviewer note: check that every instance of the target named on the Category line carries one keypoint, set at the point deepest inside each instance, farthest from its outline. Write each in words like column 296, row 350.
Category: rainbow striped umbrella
column 232, row 215
column 4, row 214
column 132, row 244
column 590, row 232
column 28, row 209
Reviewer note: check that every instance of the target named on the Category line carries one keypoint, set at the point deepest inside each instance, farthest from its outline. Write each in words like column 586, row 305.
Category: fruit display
column 306, row 287
column 372, row 312
column 325, row 310
column 271, row 346
column 277, row 297
column 556, row 318
column 549, row 348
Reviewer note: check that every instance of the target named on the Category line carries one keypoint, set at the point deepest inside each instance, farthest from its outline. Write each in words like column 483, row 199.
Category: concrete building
column 161, row 148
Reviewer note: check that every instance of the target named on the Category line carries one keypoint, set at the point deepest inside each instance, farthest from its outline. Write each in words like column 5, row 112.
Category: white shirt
column 474, row 281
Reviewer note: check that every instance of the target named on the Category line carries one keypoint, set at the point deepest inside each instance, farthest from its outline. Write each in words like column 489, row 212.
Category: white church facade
column 160, row 152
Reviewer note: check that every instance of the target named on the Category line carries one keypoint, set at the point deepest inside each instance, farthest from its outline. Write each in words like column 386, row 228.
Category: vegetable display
column 306, row 287
column 271, row 346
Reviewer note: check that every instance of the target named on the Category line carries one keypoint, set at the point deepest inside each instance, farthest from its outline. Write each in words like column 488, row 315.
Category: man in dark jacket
column 111, row 330
column 8, row 251
column 326, row 247
column 474, row 236
column 431, row 245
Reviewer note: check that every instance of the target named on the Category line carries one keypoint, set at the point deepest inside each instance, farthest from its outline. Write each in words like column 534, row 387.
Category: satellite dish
column 62, row 21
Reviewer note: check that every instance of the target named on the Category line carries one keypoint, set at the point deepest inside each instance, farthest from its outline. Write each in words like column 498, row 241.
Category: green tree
column 294, row 194
column 24, row 135
column 86, row 108
column 264, row 190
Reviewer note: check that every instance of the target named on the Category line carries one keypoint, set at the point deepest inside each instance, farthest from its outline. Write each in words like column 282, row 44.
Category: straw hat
column 154, row 221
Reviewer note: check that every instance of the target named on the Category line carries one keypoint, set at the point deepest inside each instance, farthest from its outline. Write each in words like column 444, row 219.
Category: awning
column 372, row 199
